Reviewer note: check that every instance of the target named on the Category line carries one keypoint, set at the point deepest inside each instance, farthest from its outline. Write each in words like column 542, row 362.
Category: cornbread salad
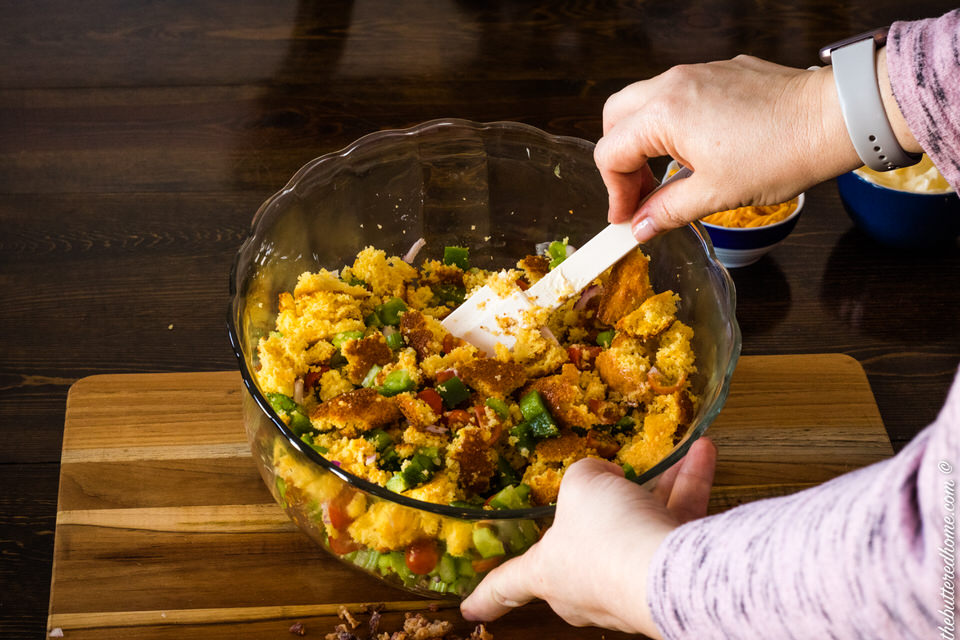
column 362, row 370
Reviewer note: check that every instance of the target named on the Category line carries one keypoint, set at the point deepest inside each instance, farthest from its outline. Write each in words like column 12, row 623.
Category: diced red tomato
column 486, row 564
column 342, row 544
column 337, row 510
column 458, row 418
column 422, row 556
column 432, row 398
column 443, row 376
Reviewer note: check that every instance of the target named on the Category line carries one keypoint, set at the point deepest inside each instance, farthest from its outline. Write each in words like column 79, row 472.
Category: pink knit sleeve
column 870, row 554
column 923, row 61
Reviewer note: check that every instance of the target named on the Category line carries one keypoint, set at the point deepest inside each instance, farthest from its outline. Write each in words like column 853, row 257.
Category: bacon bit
column 606, row 446
column 523, row 284
column 344, row 614
column 432, row 398
column 445, row 375
column 655, row 379
column 583, row 356
column 311, row 379
column 298, row 629
column 458, row 418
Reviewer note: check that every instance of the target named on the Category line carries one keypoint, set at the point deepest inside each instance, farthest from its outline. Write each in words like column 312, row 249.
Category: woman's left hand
column 591, row 564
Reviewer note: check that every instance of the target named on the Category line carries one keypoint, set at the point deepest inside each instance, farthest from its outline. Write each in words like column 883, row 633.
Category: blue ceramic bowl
column 738, row 247
column 901, row 219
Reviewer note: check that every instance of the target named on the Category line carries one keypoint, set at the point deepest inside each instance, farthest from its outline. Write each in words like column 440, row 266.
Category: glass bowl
column 498, row 188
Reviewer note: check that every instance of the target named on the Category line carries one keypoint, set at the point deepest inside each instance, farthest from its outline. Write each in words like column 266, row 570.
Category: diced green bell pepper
column 532, row 405
column 524, row 436
column 628, row 472
column 542, row 426
column 281, row 403
column 379, row 438
column 605, row 338
column 396, row 382
column 373, row 320
column 299, row 422
column 499, row 406
column 457, row 256
column 341, row 338
column 390, row 311
column 453, row 392
column 511, row 497
column 450, row 294
column 557, row 252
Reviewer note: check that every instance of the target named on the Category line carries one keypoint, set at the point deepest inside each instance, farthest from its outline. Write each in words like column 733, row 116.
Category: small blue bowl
column 740, row 246
column 900, row 219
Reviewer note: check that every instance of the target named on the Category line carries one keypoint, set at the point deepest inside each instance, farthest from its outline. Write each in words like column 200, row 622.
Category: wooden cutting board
column 165, row 530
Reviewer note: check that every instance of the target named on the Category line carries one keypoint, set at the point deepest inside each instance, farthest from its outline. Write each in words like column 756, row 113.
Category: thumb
column 505, row 588
column 677, row 204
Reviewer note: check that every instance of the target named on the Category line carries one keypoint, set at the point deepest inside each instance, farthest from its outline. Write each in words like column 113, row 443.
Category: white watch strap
column 855, row 74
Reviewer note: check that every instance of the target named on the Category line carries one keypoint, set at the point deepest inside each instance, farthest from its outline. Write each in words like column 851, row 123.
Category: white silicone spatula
column 485, row 319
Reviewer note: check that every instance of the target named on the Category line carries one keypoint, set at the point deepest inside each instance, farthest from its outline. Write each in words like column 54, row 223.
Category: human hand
column 591, row 564
column 753, row 132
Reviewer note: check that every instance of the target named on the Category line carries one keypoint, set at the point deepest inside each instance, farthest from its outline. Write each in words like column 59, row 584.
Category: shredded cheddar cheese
column 753, row 216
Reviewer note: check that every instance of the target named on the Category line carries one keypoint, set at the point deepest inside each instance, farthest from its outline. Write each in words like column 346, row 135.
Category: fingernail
column 643, row 229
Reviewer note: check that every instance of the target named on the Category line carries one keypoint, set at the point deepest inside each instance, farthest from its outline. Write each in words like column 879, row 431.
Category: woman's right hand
column 753, row 132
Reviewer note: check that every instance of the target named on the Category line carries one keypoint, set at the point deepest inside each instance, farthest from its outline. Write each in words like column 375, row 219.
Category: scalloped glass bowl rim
column 715, row 403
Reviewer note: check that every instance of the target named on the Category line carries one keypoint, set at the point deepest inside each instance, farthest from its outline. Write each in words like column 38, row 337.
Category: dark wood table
column 137, row 140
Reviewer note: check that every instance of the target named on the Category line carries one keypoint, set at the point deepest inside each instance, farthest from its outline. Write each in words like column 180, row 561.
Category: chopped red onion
column 412, row 252
column 370, row 459
column 336, row 462
column 570, row 250
column 436, row 428
column 588, row 294
column 545, row 330
column 298, row 391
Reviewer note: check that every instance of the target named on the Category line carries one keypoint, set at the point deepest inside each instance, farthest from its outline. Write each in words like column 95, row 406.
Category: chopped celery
column 390, row 311
column 499, row 406
column 447, row 568
column 373, row 320
column 453, row 392
column 371, row 377
column 487, row 542
column 457, row 256
column 605, row 338
column 511, row 497
column 397, row 484
column 341, row 338
column 396, row 382
column 394, row 340
column 367, row 559
column 439, row 586
column 465, row 567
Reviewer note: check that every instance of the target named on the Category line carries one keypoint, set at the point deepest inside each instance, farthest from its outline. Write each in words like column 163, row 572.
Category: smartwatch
column 854, row 63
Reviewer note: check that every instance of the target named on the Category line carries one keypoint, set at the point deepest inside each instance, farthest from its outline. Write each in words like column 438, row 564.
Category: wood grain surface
column 164, row 527
column 138, row 139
